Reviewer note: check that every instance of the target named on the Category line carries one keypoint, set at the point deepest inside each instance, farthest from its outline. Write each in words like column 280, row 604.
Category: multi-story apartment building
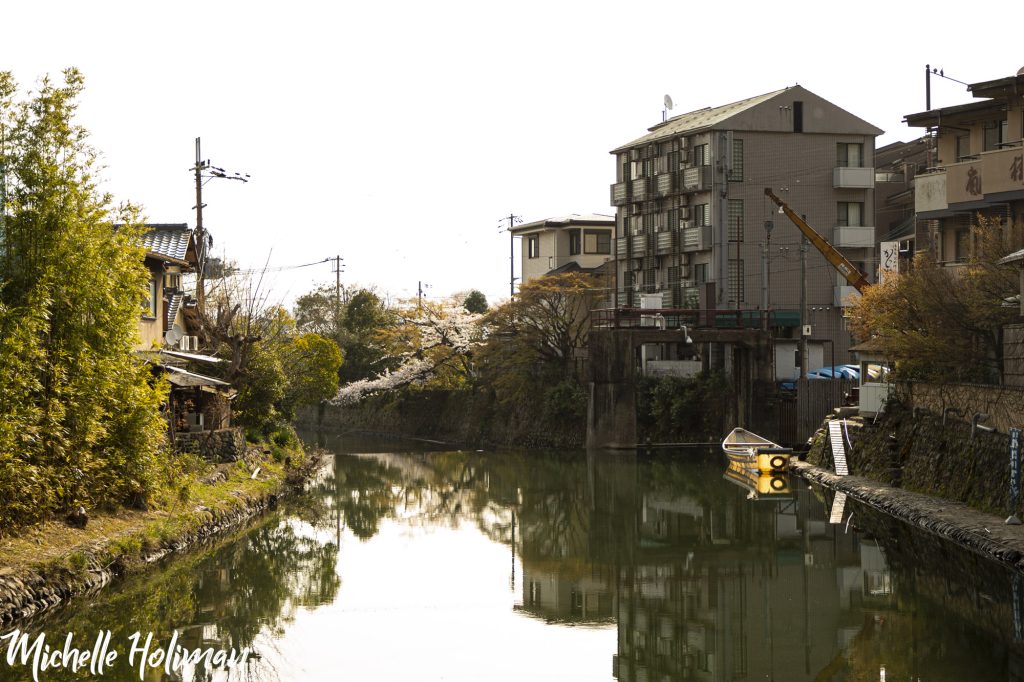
column 691, row 211
column 977, row 167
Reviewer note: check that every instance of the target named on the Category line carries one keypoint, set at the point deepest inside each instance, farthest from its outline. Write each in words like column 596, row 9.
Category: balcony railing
column 664, row 184
column 691, row 318
column 1001, row 170
column 665, row 242
column 853, row 178
column 854, row 237
column 695, row 179
column 641, row 189
column 621, row 247
column 696, row 238
column 620, row 193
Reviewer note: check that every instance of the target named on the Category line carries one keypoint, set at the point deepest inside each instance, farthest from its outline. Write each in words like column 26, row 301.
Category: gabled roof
column 571, row 220
column 741, row 116
column 169, row 240
column 698, row 120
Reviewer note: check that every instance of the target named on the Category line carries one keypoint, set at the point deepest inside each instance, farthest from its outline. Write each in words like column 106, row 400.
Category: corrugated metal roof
column 698, row 120
column 181, row 377
column 167, row 239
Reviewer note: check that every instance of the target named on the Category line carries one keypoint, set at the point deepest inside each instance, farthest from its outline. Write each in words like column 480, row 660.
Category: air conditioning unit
column 684, row 143
column 685, row 224
column 684, row 258
column 684, row 271
column 684, row 212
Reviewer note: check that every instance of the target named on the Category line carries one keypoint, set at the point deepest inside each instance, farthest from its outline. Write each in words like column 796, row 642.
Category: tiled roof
column 167, row 239
column 698, row 120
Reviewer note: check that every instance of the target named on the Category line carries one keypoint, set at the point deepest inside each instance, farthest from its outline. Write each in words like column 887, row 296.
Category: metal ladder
column 835, row 436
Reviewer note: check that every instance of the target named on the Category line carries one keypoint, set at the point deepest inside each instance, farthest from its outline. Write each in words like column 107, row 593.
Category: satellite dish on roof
column 668, row 102
column 1020, row 71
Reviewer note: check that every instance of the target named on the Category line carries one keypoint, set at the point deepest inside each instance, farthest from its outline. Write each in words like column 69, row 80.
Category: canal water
column 403, row 563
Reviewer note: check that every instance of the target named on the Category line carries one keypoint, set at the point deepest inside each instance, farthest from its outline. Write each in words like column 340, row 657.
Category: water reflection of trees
column 223, row 597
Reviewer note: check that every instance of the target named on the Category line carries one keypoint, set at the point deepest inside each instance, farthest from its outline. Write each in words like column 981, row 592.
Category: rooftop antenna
column 668, row 108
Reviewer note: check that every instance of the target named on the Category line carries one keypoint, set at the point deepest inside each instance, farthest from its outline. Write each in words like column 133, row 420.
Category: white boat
column 752, row 451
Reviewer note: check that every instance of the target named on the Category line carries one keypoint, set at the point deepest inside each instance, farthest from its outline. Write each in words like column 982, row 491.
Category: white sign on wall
column 890, row 262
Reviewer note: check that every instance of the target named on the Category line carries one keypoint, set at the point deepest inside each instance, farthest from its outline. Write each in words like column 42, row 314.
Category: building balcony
column 622, row 247
column 696, row 238
column 665, row 242
column 853, row 178
column 695, row 179
column 638, row 242
column 664, row 184
column 930, row 192
column 641, row 189
column 853, row 237
column 620, row 193
column 845, row 296
column 973, row 180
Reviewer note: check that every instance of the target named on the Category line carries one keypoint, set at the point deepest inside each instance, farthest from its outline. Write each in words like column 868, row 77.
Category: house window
column 736, row 174
column 574, row 243
column 798, row 117
column 736, row 280
column 149, row 305
column 850, row 213
column 700, row 273
column 850, row 154
column 735, row 220
column 533, row 246
column 701, row 215
column 597, row 241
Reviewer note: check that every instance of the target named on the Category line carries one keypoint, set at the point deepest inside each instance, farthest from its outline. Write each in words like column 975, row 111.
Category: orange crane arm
column 847, row 269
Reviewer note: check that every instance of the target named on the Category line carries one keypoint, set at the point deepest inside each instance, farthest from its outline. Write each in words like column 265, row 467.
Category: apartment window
column 736, row 280
column 701, row 157
column 533, row 246
column 651, row 280
column 735, row 220
column 149, row 305
column 798, row 117
column 736, row 174
column 963, row 245
column 574, row 243
column 963, row 146
column 700, row 273
column 850, row 213
column 597, row 241
column 995, row 135
column 701, row 215
column 850, row 154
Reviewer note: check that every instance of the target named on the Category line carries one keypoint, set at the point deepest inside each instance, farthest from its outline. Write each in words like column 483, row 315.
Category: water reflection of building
column 725, row 588
column 555, row 594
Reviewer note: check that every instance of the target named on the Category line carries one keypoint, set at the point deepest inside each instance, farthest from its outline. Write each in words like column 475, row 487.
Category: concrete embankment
column 28, row 591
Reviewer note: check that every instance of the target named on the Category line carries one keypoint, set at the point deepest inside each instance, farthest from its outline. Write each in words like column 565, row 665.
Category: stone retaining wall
column 221, row 445
column 923, row 455
column 459, row 416
column 1004, row 405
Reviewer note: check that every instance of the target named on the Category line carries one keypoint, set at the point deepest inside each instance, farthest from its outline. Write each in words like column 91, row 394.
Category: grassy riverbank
column 51, row 561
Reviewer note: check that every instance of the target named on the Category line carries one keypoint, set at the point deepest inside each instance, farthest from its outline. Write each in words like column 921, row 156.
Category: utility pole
column 513, row 220
column 337, row 292
column 803, row 305
column 420, row 286
column 200, row 233
column 203, row 169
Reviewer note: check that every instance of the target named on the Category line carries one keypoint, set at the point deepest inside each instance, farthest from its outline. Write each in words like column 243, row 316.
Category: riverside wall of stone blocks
column 1004, row 405
column 221, row 445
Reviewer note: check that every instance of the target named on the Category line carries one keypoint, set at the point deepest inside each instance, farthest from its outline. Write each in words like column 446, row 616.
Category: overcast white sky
column 397, row 134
